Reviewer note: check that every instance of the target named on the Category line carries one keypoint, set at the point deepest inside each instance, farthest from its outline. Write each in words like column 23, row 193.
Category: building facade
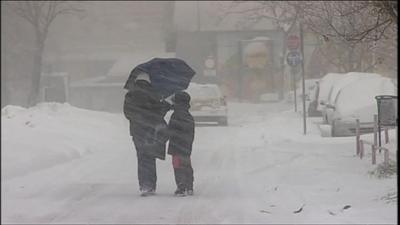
column 222, row 54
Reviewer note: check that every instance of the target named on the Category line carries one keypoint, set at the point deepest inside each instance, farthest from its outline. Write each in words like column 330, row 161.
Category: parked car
column 312, row 106
column 324, row 86
column 345, row 80
column 357, row 101
column 311, row 94
column 208, row 104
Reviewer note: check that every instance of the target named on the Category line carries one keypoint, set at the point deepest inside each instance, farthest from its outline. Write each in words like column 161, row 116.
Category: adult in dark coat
column 145, row 112
column 181, row 129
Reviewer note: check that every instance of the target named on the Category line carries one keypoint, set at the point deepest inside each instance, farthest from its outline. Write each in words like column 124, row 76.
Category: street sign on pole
column 293, row 42
column 303, row 79
column 293, row 58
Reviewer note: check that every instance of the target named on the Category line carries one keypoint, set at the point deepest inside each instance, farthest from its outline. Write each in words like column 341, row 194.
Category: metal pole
column 379, row 132
column 294, row 88
column 373, row 154
column 386, row 135
column 302, row 76
column 376, row 130
column 198, row 15
column 379, row 125
column 240, row 80
column 396, row 144
column 357, row 136
column 386, row 157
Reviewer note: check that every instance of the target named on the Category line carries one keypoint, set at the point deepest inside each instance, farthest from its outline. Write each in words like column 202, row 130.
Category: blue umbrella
column 167, row 75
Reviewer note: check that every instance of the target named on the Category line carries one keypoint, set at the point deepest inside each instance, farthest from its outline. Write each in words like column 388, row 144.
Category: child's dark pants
column 183, row 172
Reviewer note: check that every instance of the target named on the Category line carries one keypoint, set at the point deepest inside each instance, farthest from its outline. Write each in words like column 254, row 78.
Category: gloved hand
column 169, row 99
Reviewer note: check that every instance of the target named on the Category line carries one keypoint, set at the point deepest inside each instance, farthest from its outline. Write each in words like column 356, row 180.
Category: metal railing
column 375, row 146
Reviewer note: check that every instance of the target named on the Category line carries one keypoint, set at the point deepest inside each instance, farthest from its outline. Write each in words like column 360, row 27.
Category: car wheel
column 223, row 121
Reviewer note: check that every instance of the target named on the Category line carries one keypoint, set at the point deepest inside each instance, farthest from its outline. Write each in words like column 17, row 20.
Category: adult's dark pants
column 147, row 173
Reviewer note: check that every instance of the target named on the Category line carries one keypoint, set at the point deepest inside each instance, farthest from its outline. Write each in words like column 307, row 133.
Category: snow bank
column 46, row 135
column 10, row 111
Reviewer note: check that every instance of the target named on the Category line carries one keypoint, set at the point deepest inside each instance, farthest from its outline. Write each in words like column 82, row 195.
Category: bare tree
column 352, row 21
column 347, row 57
column 350, row 29
column 40, row 14
column 283, row 17
column 388, row 7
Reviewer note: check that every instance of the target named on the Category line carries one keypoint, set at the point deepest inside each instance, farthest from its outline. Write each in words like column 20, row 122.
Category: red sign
column 293, row 42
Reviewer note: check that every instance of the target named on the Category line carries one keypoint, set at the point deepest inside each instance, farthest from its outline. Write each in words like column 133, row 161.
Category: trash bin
column 387, row 112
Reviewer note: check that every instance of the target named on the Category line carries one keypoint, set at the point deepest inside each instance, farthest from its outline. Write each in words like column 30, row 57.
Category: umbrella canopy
column 167, row 75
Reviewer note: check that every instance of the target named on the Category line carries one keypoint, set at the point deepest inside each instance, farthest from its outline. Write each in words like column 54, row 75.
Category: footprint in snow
column 299, row 210
column 341, row 210
column 265, row 211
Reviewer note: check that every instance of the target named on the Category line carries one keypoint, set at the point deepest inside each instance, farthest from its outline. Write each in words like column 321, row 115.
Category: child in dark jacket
column 181, row 129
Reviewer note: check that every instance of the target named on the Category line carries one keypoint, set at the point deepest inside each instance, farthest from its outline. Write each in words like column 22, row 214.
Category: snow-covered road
column 61, row 164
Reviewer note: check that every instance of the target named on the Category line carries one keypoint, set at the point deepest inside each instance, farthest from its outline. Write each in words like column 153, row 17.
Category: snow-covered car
column 311, row 94
column 208, row 104
column 312, row 106
column 357, row 101
column 345, row 80
column 324, row 86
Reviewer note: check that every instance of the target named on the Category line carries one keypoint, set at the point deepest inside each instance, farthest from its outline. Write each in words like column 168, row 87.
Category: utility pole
column 198, row 15
column 302, row 76
column 294, row 86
